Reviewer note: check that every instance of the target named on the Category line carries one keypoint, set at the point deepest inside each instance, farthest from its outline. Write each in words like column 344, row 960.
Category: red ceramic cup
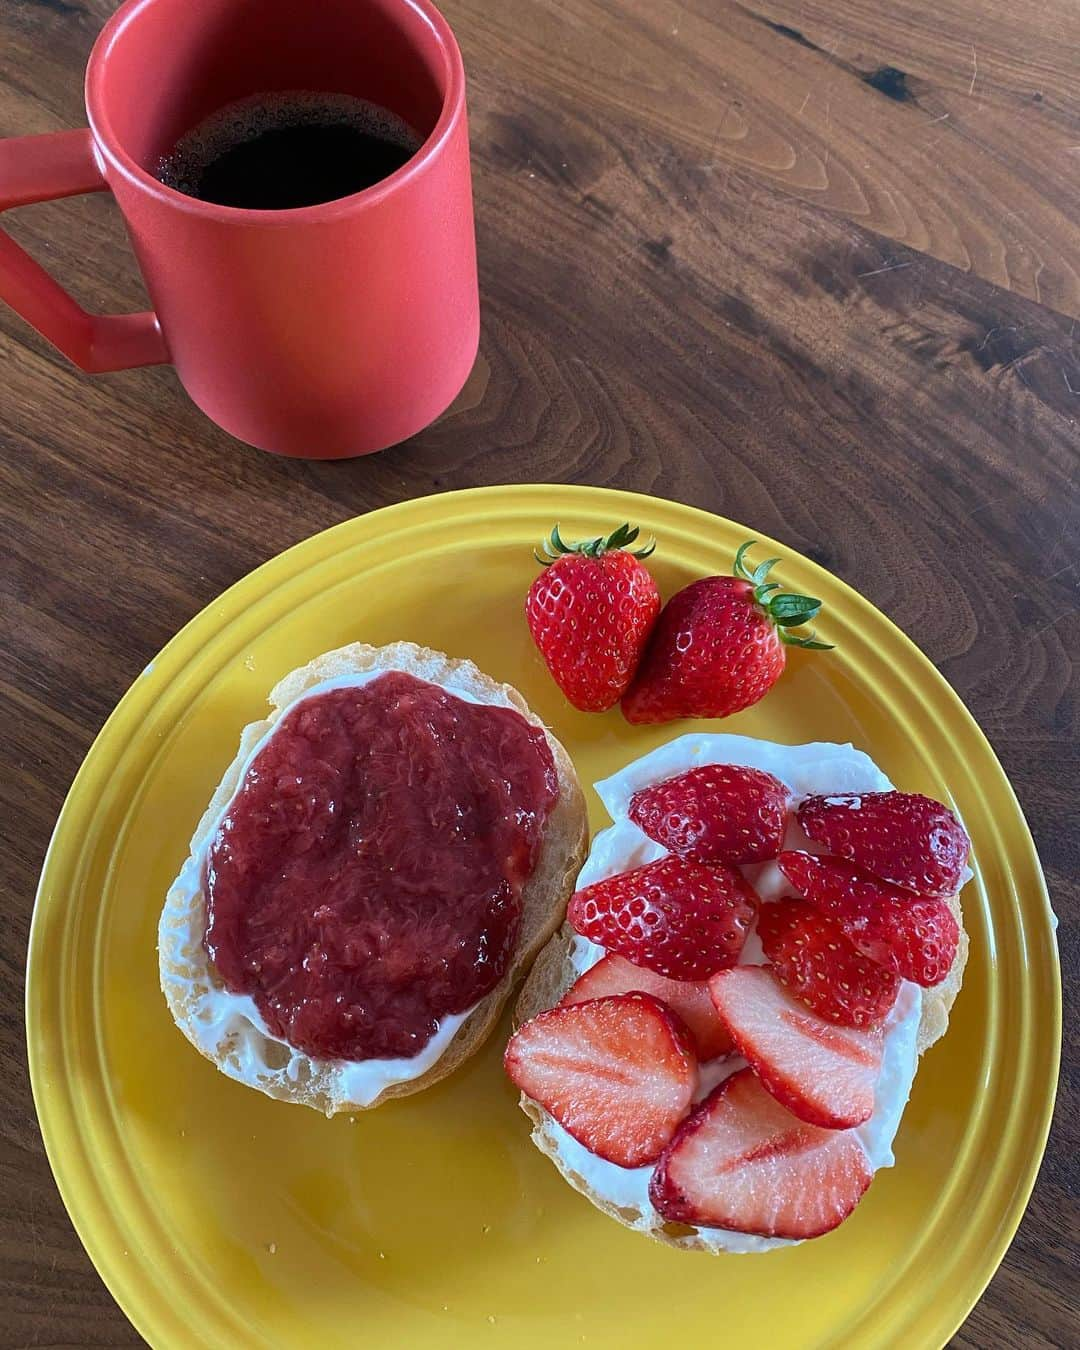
column 324, row 331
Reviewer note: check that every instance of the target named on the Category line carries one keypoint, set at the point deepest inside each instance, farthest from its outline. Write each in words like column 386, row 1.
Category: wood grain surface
column 812, row 264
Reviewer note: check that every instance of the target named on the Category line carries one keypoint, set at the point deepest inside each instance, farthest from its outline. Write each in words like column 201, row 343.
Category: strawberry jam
column 366, row 878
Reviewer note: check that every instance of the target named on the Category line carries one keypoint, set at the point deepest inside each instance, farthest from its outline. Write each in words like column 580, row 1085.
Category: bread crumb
column 271, row 1247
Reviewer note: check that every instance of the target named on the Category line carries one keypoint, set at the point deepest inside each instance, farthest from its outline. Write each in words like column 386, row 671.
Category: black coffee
column 277, row 151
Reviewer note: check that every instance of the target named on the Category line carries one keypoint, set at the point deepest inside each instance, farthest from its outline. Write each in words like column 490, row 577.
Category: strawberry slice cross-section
column 678, row 918
column 613, row 974
column 617, row 1073
column 823, row 1073
column 741, row 1161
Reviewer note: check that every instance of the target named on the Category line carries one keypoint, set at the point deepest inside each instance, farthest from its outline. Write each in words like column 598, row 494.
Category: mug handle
column 42, row 168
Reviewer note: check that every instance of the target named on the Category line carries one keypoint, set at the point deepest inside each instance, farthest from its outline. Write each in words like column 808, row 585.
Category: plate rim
column 315, row 550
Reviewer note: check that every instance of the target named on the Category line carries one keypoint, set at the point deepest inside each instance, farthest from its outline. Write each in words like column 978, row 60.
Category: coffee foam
column 247, row 118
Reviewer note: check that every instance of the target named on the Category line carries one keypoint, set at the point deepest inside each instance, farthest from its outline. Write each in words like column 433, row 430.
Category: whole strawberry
column 590, row 612
column 718, row 646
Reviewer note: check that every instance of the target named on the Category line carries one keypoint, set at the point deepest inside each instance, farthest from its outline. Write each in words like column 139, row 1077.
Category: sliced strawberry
column 825, row 1074
column 914, row 936
column 678, row 918
column 722, row 813
column 616, row 1073
column 613, row 974
column 901, row 837
column 813, row 958
column 742, row 1161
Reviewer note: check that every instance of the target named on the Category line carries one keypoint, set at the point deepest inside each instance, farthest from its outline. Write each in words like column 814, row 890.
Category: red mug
column 321, row 331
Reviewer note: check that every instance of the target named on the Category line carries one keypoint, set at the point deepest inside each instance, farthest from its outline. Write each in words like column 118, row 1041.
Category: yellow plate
column 220, row 1218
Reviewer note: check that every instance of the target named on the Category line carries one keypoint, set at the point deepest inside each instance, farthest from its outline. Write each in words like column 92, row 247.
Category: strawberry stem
column 785, row 609
column 555, row 546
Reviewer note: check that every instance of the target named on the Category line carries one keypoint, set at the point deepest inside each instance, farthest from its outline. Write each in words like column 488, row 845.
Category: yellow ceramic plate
column 220, row 1218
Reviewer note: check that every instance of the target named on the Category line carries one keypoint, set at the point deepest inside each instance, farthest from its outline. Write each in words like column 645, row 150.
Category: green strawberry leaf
column 784, row 608
column 792, row 610
column 741, row 570
column 554, row 547
column 809, row 644
column 762, row 570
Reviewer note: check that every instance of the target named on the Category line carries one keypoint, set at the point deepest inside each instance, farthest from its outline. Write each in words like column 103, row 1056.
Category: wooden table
column 811, row 265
